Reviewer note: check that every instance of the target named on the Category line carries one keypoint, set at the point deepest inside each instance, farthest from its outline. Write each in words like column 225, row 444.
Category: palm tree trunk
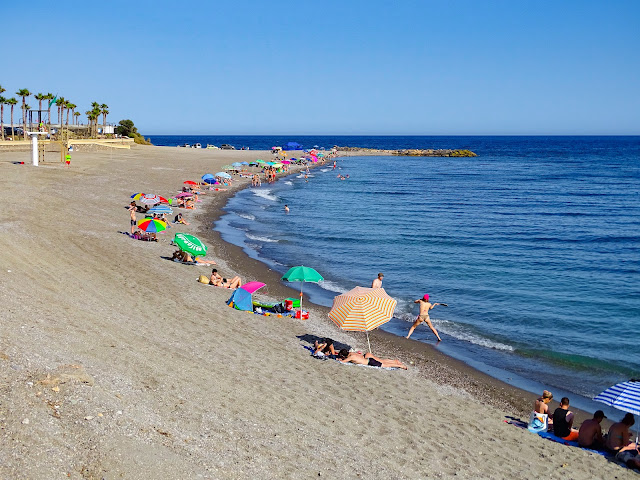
column 2, row 120
column 24, row 118
column 12, row 132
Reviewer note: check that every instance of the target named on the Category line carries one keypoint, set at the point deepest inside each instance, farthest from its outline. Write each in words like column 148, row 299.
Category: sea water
column 534, row 245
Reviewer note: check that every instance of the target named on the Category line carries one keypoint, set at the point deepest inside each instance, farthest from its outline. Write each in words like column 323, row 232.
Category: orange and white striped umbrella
column 362, row 309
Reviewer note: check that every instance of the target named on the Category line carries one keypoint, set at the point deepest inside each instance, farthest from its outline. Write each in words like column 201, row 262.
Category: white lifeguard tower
column 34, row 146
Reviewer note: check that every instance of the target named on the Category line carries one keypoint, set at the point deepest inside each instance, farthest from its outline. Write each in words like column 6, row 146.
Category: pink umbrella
column 184, row 194
column 251, row 287
column 286, row 162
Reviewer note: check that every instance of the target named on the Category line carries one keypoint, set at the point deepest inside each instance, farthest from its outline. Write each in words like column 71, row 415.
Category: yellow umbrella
column 362, row 309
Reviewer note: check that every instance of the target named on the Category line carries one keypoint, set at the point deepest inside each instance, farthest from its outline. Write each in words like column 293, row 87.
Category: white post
column 34, row 146
column 34, row 150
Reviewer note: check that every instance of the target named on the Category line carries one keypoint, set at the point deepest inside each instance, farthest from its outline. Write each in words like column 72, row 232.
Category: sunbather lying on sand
column 140, row 235
column 629, row 455
column 345, row 356
column 325, row 347
column 218, row 281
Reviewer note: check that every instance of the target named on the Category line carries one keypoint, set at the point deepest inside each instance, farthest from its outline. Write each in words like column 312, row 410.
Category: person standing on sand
column 377, row 283
column 132, row 214
column 423, row 316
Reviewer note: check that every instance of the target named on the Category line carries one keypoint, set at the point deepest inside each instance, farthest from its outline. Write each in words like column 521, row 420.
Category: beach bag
column 203, row 279
column 538, row 422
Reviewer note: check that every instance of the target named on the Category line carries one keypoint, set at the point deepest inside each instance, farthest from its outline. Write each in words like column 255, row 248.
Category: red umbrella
column 190, row 182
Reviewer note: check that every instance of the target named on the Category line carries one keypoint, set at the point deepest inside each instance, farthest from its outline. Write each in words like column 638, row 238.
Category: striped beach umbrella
column 152, row 225
column 160, row 209
column 362, row 309
column 150, row 199
column 623, row 396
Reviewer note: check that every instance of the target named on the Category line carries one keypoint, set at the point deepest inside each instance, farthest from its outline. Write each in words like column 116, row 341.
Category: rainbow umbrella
column 362, row 309
column 136, row 196
column 152, row 225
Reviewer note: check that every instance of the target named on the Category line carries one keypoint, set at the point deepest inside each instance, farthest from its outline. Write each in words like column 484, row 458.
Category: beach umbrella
column 241, row 298
column 152, row 225
column 184, row 194
column 190, row 182
column 136, row 196
column 302, row 274
column 623, row 396
column 286, row 162
column 362, row 309
column 244, row 163
column 260, row 161
column 277, row 165
column 236, row 164
column 150, row 199
column 209, row 178
column 190, row 244
column 223, row 175
column 160, row 209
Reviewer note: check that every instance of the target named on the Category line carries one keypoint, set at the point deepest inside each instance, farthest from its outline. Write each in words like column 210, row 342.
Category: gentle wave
column 265, row 193
column 331, row 287
column 457, row 331
column 259, row 238
column 288, row 182
column 246, row 216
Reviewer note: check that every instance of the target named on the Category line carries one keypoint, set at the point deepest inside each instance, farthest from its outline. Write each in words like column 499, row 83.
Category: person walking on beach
column 67, row 160
column 377, row 283
column 132, row 214
column 423, row 316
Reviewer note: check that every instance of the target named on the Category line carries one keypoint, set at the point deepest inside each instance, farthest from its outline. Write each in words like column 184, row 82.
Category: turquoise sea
column 534, row 245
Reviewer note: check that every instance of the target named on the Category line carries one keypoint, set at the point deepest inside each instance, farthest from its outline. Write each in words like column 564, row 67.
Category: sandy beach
column 117, row 363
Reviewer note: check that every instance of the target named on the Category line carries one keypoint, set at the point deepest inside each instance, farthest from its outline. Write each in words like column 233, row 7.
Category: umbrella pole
column 368, row 342
column 301, row 283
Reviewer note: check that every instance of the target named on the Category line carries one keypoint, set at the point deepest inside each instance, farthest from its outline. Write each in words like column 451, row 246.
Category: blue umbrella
column 236, row 164
column 209, row 178
column 623, row 396
column 223, row 175
column 244, row 163
column 160, row 209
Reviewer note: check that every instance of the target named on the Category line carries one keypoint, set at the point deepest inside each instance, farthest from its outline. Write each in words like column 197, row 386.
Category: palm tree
column 24, row 93
column 26, row 109
column 104, row 111
column 72, row 107
column 92, row 115
column 77, row 115
column 2, row 102
column 12, row 101
column 40, row 97
column 60, row 104
column 68, row 106
column 49, row 96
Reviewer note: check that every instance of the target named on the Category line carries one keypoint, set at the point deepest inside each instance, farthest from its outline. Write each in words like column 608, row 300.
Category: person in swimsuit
column 132, row 214
column 345, row 356
column 180, row 220
column 629, row 455
column 325, row 347
column 541, row 405
column 218, row 281
column 590, row 433
column 423, row 316
column 377, row 283
column 619, row 435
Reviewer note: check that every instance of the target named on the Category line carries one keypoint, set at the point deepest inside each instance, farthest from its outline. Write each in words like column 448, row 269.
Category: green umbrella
column 302, row 274
column 260, row 161
column 190, row 244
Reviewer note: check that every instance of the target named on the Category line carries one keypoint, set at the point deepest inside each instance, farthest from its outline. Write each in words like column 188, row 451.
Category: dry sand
column 115, row 363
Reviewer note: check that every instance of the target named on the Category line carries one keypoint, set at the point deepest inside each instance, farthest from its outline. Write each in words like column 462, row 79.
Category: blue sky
column 336, row 67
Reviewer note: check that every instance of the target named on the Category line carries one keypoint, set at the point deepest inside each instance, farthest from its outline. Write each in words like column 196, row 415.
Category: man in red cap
column 423, row 316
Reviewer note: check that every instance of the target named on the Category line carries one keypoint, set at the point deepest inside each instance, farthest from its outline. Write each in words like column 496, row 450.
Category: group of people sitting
column 617, row 441
column 325, row 348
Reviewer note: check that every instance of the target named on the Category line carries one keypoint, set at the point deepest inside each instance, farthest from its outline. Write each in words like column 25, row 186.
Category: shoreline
column 117, row 363
column 432, row 363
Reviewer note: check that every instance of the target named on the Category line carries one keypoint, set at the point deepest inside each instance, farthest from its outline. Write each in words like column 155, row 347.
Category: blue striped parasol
column 623, row 396
column 160, row 209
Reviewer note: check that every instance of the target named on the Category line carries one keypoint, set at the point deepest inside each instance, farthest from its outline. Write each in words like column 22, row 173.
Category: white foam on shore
column 302, row 176
column 324, row 170
column 458, row 331
column 259, row 238
column 331, row 287
column 265, row 193
column 288, row 182
column 246, row 216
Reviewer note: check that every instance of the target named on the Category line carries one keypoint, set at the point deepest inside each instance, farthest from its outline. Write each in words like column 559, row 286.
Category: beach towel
column 323, row 356
column 191, row 263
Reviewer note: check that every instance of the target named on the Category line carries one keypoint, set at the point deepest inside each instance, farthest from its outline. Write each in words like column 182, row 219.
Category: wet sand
column 117, row 363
